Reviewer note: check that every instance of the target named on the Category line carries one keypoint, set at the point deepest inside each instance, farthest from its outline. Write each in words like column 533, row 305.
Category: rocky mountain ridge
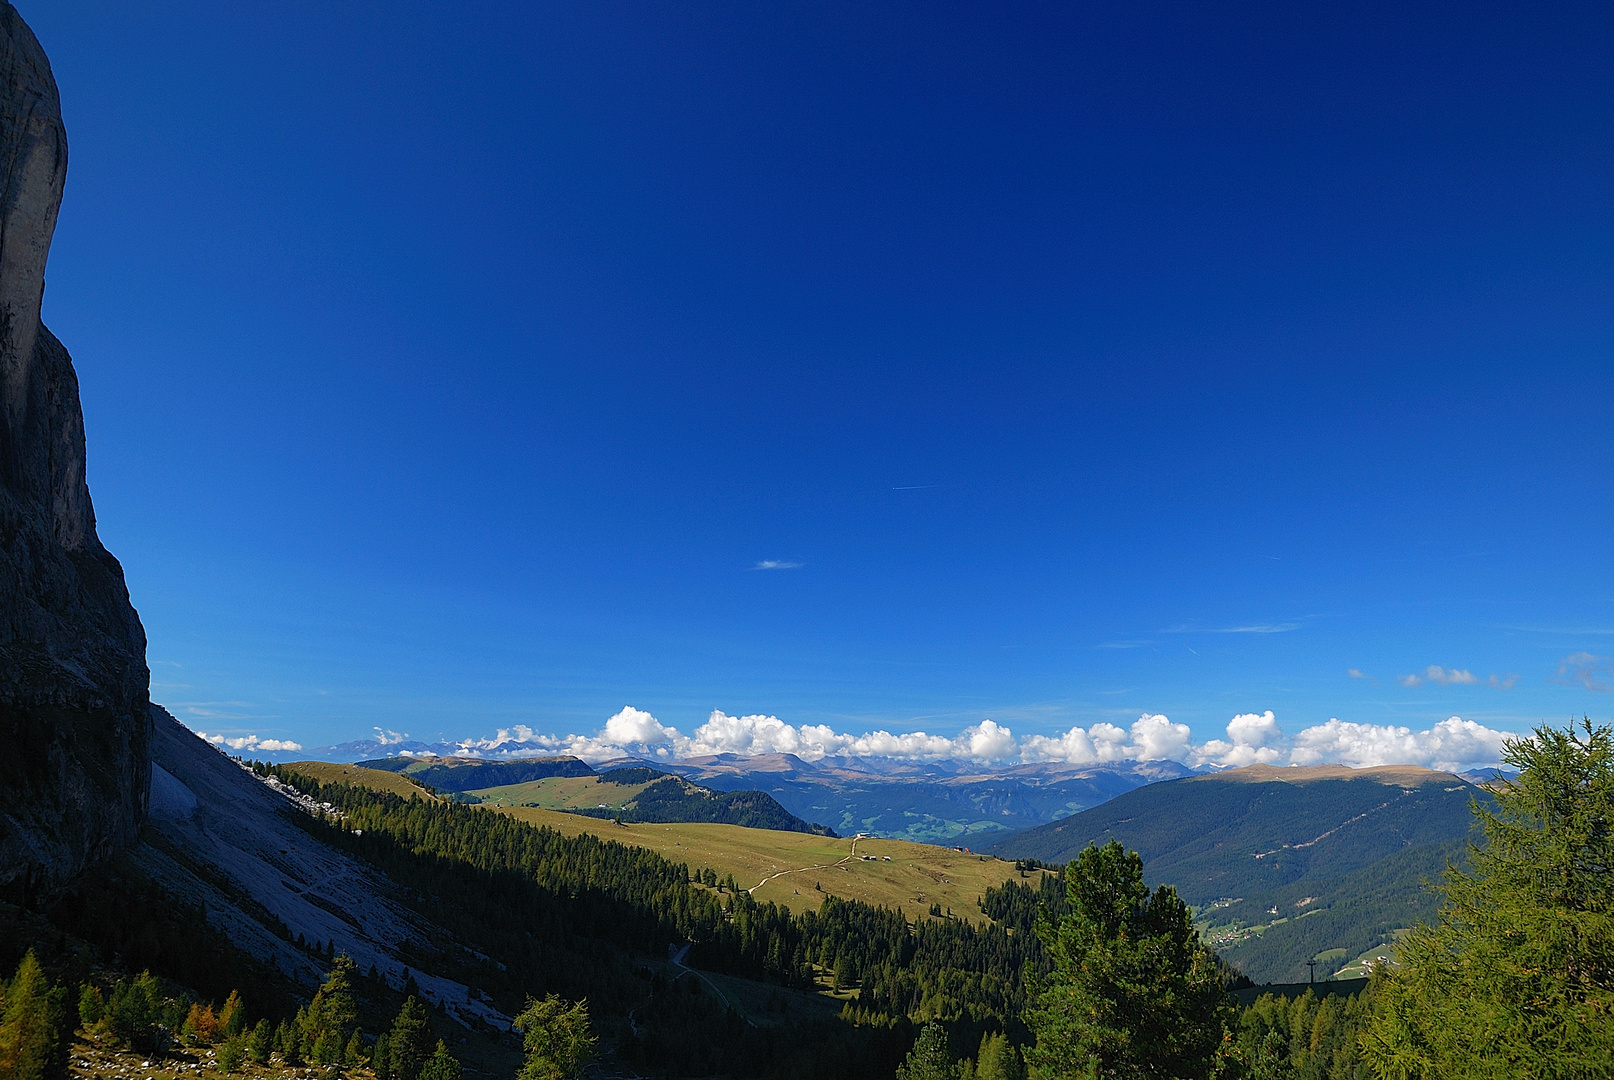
column 74, row 687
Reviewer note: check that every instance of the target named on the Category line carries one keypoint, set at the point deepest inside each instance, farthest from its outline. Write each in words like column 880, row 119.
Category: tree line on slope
column 536, row 900
column 143, row 1015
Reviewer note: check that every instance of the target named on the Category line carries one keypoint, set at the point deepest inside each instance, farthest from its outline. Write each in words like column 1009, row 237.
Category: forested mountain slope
column 1342, row 855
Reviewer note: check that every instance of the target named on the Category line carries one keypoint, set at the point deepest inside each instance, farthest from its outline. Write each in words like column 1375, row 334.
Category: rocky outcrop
column 75, row 727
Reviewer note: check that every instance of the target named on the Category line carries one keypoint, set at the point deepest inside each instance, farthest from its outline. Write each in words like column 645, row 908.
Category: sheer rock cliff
column 75, row 726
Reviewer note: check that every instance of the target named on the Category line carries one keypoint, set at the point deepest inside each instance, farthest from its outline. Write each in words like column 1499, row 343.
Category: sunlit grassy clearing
column 374, row 779
column 561, row 793
column 917, row 876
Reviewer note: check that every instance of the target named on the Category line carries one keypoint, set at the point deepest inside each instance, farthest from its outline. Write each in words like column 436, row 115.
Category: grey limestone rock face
column 75, row 723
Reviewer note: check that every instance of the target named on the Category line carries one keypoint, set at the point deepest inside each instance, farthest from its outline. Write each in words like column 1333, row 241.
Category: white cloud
column 1252, row 738
column 1452, row 744
column 776, row 564
column 1355, row 673
column 990, row 742
column 1151, row 738
column 632, row 725
column 249, row 742
column 388, row 738
column 1158, row 739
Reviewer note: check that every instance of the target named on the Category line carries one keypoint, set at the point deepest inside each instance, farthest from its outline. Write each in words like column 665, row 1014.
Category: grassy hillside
column 374, row 779
column 1284, row 865
column 787, row 868
column 561, row 793
column 784, row 867
column 646, row 795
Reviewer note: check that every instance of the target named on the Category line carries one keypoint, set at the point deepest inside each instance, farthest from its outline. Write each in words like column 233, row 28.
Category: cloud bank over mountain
column 1252, row 738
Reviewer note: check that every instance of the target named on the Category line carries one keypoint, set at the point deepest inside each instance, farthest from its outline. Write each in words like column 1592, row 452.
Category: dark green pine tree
column 930, row 1058
column 261, row 1043
column 380, row 1059
column 410, row 1045
column 442, row 1065
column 1516, row 977
column 1132, row 993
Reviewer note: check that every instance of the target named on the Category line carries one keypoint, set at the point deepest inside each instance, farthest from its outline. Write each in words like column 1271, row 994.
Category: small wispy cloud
column 1584, row 670
column 776, row 564
column 1124, row 644
column 914, row 487
column 217, row 710
column 1252, row 628
column 1434, row 673
column 1356, row 673
column 1440, row 676
column 1572, row 631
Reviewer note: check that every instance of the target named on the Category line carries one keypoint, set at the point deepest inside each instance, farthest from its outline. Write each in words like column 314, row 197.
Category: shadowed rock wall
column 75, row 727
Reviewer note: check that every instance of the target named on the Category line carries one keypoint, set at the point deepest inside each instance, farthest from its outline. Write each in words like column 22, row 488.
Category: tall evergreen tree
column 557, row 1039
column 1133, row 992
column 442, row 1065
column 1516, row 977
column 330, row 1017
column 261, row 1043
column 29, row 1025
column 410, row 1044
column 930, row 1058
column 998, row 1059
column 380, row 1059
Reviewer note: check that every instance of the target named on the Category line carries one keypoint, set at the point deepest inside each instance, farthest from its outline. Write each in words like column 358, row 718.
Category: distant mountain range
column 469, row 774
column 1284, row 865
column 935, row 802
column 952, row 803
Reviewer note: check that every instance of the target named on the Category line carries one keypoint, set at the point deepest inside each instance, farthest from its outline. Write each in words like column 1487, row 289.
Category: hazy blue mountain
column 470, row 774
column 934, row 802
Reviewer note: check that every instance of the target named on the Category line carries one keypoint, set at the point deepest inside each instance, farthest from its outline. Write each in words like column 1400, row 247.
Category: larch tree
column 557, row 1039
column 29, row 1024
column 1516, row 976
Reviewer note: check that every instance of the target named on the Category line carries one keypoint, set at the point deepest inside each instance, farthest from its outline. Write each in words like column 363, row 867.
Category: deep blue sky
column 448, row 367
